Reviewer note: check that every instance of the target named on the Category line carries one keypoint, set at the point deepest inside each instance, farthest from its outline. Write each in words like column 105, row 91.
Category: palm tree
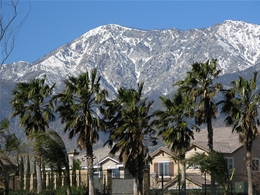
column 30, row 104
column 53, row 151
column 199, row 86
column 78, row 108
column 130, row 131
column 240, row 104
column 4, row 128
column 175, row 129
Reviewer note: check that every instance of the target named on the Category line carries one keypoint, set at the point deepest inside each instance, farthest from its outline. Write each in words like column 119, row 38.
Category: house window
column 195, row 166
column 163, row 169
column 230, row 163
column 255, row 164
column 115, row 173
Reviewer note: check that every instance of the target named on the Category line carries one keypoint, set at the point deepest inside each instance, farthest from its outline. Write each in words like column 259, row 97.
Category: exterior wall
column 162, row 157
column 190, row 153
column 109, row 165
column 240, row 162
column 155, row 178
column 84, row 177
column 117, row 171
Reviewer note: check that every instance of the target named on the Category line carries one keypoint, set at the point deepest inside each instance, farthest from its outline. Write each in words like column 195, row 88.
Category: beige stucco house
column 102, row 162
column 224, row 141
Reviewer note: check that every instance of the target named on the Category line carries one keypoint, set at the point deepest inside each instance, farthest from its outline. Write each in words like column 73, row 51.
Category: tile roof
column 195, row 178
column 223, row 139
column 163, row 148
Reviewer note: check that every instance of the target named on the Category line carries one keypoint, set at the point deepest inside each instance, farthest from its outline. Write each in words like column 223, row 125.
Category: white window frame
column 230, row 163
column 258, row 164
column 164, row 170
column 194, row 167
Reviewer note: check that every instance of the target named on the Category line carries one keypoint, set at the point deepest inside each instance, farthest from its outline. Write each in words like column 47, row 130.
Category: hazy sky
column 51, row 24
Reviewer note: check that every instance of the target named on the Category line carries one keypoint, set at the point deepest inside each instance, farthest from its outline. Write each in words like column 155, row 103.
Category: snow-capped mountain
column 125, row 56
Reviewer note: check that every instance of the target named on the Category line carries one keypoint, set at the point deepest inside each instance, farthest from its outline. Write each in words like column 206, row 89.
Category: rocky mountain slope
column 125, row 56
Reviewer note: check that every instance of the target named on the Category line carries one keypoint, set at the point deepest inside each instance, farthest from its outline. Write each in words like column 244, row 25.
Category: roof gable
column 161, row 150
column 106, row 159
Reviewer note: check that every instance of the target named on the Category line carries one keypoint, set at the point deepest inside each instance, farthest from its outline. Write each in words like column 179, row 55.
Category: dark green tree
column 78, row 106
column 28, row 174
column 51, row 184
column 30, row 103
column 4, row 125
column 10, row 149
column 75, row 167
column 129, row 124
column 10, row 144
column 14, row 146
column 4, row 128
column 34, row 176
column 175, row 129
column 240, row 104
column 50, row 146
column 44, row 176
column 21, row 173
column 214, row 164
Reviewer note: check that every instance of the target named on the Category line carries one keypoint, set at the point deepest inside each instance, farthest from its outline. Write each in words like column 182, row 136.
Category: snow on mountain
column 242, row 40
column 125, row 56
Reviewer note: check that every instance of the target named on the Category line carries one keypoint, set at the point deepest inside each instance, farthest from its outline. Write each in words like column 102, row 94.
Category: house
column 108, row 171
column 164, row 163
column 164, row 171
column 8, row 170
column 101, row 163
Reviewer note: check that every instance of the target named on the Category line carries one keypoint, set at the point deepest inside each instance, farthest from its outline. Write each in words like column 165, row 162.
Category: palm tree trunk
column 90, row 175
column 39, row 176
column 135, row 186
column 210, row 143
column 74, row 179
column 249, row 171
column 67, row 179
column 183, row 179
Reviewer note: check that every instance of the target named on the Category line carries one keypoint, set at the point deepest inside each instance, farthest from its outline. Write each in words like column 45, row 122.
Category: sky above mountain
column 51, row 24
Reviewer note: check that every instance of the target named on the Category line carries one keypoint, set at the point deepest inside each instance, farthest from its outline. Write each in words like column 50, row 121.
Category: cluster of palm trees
column 133, row 126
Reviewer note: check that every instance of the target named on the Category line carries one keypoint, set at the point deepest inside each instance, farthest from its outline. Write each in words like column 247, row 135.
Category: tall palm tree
column 30, row 104
column 200, row 87
column 78, row 107
column 53, row 151
column 241, row 104
column 175, row 129
column 130, row 131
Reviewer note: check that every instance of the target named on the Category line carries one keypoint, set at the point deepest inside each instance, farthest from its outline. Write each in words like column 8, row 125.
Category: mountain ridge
column 125, row 56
